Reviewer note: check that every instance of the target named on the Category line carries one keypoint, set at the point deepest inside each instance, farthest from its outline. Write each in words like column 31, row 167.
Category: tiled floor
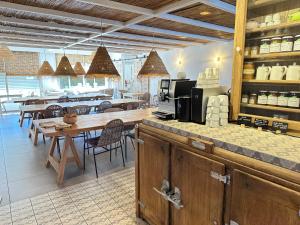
column 22, row 171
column 108, row 200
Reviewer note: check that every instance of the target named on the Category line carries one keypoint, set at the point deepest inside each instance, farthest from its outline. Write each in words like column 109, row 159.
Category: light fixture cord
column 101, row 39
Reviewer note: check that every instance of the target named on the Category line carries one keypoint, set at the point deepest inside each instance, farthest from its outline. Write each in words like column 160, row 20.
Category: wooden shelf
column 274, row 27
column 293, row 125
column 261, row 3
column 268, row 107
column 272, row 81
column 275, row 55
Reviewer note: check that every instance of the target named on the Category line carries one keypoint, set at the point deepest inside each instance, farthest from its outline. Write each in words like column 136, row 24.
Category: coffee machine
column 169, row 92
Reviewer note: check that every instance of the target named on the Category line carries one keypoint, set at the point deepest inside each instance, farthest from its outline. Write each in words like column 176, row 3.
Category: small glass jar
column 294, row 99
column 262, row 98
column 253, row 98
column 287, row 44
column 264, row 46
column 254, row 50
column 272, row 98
column 275, row 45
column 297, row 43
column 283, row 98
column 245, row 98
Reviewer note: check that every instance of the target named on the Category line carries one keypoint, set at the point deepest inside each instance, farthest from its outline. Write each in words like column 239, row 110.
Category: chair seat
column 93, row 141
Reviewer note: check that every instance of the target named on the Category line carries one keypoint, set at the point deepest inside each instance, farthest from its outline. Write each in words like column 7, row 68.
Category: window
column 2, row 84
column 25, row 85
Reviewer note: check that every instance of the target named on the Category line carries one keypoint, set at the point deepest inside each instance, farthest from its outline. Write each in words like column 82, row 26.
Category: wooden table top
column 56, row 97
column 133, row 94
column 42, row 107
column 94, row 121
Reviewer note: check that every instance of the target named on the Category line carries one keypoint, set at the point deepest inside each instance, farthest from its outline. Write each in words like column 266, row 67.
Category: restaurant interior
column 153, row 112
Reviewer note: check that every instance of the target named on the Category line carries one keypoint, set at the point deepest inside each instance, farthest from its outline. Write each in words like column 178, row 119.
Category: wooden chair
column 33, row 102
column 128, row 132
column 146, row 100
column 80, row 109
column 133, row 106
column 110, row 139
column 103, row 106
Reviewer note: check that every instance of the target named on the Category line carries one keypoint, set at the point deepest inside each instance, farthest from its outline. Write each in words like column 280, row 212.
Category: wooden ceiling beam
column 220, row 5
column 16, row 42
column 65, row 41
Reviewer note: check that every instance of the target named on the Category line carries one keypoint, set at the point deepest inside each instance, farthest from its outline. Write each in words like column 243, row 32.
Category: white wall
column 195, row 59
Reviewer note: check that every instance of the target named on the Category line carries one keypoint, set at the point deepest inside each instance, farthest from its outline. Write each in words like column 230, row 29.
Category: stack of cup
column 213, row 112
column 224, row 109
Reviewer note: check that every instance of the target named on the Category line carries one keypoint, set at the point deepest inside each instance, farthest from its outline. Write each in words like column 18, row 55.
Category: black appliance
column 184, row 109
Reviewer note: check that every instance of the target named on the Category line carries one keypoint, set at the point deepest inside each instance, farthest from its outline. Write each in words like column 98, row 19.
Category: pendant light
column 102, row 65
column 5, row 53
column 46, row 68
column 78, row 69
column 153, row 66
column 64, row 68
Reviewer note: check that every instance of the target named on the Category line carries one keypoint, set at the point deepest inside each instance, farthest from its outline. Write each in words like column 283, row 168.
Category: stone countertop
column 280, row 150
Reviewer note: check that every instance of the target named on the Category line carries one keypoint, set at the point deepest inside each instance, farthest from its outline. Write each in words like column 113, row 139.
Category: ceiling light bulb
column 205, row 13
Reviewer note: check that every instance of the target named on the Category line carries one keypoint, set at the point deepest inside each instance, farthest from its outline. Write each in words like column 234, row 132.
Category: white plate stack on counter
column 217, row 111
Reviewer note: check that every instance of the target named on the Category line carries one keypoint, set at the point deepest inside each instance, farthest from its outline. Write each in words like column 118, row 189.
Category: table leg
column 59, row 165
column 22, row 118
column 51, row 151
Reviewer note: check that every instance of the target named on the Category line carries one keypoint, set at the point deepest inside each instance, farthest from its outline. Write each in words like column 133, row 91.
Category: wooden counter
column 185, row 176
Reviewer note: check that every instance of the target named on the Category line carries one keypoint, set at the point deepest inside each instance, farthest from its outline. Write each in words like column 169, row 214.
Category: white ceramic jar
column 264, row 46
column 275, row 45
column 287, row 44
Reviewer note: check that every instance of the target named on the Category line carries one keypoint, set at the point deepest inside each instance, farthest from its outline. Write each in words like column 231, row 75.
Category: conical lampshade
column 153, row 66
column 64, row 68
column 45, row 69
column 5, row 53
column 102, row 65
column 78, row 69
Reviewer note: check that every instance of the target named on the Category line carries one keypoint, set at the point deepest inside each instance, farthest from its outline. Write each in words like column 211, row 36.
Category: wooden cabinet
column 207, row 189
column 201, row 195
column 188, row 174
column 259, row 202
column 153, row 168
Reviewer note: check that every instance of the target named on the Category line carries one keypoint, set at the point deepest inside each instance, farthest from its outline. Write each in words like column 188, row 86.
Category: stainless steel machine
column 169, row 92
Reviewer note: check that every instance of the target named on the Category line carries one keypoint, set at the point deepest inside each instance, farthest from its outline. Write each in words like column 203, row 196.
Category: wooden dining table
column 56, row 97
column 84, row 123
column 40, row 108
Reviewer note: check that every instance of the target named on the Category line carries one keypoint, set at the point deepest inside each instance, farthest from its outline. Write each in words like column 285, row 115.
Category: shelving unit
column 272, row 81
column 268, row 107
column 258, row 10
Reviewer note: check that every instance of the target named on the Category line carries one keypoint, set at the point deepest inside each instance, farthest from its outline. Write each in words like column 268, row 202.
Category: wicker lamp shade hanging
column 102, row 65
column 64, row 68
column 5, row 53
column 78, row 69
column 153, row 66
column 45, row 69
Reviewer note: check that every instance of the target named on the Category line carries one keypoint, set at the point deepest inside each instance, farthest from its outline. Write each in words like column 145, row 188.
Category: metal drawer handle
column 164, row 190
column 175, row 198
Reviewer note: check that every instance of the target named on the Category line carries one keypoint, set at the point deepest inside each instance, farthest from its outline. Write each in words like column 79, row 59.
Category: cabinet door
column 154, row 165
column 256, row 201
column 201, row 195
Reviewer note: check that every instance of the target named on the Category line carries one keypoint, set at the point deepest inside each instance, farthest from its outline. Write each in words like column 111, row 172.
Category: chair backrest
column 146, row 97
column 113, row 110
column 111, row 133
column 103, row 105
column 80, row 109
column 63, row 99
column 133, row 106
column 53, row 111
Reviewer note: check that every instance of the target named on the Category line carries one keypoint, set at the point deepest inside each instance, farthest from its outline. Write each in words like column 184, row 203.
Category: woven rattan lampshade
column 5, row 53
column 45, row 69
column 153, row 66
column 102, row 65
column 64, row 68
column 78, row 69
